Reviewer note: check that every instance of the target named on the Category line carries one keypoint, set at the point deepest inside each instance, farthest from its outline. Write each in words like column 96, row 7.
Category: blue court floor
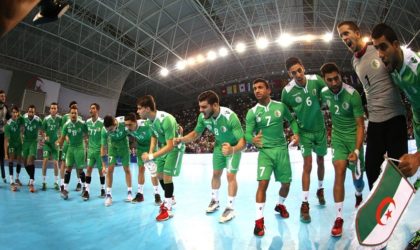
column 44, row 221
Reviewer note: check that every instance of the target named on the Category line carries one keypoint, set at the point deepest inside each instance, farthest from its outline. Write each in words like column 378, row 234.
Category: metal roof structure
column 117, row 48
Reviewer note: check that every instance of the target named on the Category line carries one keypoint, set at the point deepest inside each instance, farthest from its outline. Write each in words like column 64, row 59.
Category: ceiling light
column 164, row 72
column 223, row 52
column 181, row 65
column 366, row 39
column 327, row 37
column 285, row 40
column 211, row 55
column 262, row 43
column 240, row 47
column 191, row 61
column 200, row 58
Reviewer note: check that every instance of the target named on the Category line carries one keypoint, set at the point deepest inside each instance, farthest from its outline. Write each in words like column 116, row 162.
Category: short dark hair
column 72, row 103
column 74, row 106
column 54, row 103
column 130, row 117
column 329, row 68
column 31, row 107
column 96, row 105
column 292, row 61
column 2, row 91
column 108, row 121
column 147, row 101
column 14, row 107
column 384, row 30
column 353, row 26
column 210, row 96
column 261, row 80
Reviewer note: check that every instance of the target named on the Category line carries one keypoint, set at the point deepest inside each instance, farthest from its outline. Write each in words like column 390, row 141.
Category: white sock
column 140, row 188
column 129, row 190
column 108, row 190
column 358, row 193
column 56, row 179
column 44, row 179
column 259, row 209
column 65, row 186
column 87, row 187
column 168, row 203
column 61, row 182
column 156, row 188
column 17, row 175
column 339, row 209
column 231, row 200
column 320, row 184
column 79, row 180
column 102, row 186
column 305, row 195
column 31, row 182
column 281, row 200
column 215, row 194
column 11, row 179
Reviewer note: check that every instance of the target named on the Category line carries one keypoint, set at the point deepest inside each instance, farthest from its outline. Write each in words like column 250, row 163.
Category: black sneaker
column 79, row 187
column 139, row 198
column 103, row 194
column 158, row 200
column 414, row 243
column 44, row 186
column 61, row 188
column 83, row 191
column 85, row 195
column 64, row 194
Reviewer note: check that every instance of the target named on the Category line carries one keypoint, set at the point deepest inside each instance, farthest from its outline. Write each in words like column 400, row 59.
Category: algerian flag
column 377, row 217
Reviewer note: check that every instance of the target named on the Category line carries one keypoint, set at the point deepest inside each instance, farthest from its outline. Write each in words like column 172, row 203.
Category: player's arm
column 153, row 143
column 193, row 135
column 250, row 129
column 293, row 125
column 238, row 133
column 409, row 164
column 6, row 142
column 62, row 137
column 356, row 102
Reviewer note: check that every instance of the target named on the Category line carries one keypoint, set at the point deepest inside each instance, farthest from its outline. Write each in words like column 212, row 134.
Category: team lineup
column 383, row 67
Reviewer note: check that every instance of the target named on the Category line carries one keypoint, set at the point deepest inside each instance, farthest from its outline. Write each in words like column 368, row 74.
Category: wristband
column 150, row 156
column 357, row 152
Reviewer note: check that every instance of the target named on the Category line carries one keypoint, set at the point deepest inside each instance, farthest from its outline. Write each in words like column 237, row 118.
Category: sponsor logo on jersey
column 314, row 91
column 375, row 64
column 298, row 99
column 224, row 129
column 345, row 105
column 277, row 113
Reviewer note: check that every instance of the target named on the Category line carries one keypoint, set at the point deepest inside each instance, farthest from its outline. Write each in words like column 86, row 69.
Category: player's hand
column 409, row 164
column 177, row 141
column 257, row 140
column 295, row 140
column 46, row 138
column 352, row 158
column 227, row 149
column 104, row 170
column 145, row 157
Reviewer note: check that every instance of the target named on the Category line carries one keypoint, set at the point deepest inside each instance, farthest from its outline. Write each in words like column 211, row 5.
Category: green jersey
column 117, row 138
column 75, row 131
column 51, row 126
column 164, row 127
column 95, row 130
column 344, row 108
column 31, row 128
column 12, row 130
column 305, row 102
column 269, row 120
column 142, row 134
column 226, row 127
column 408, row 78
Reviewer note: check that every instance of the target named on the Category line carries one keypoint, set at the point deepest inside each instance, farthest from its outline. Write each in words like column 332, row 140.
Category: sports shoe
column 108, row 200
column 337, row 229
column 17, row 181
column 103, row 194
column 282, row 210
column 85, row 195
column 227, row 215
column 359, row 200
column 213, row 206
column 158, row 200
column 44, row 186
column 139, row 198
column 32, row 188
column 129, row 197
column 304, row 213
column 83, row 191
column 320, row 195
column 164, row 214
column 56, row 187
column 259, row 227
column 13, row 187
column 4, row 180
column 414, row 243
column 64, row 194
column 78, row 187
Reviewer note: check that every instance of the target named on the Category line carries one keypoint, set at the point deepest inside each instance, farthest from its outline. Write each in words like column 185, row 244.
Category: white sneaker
column 108, row 200
column 129, row 197
column 227, row 215
column 213, row 206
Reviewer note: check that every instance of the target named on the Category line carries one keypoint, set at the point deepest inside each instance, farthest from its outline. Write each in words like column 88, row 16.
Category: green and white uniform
column 305, row 102
column 408, row 80
column 165, row 127
column 142, row 136
column 274, row 154
column 30, row 135
column 94, row 143
column 13, row 134
column 226, row 128
column 344, row 108
column 64, row 119
column 117, row 143
column 51, row 126
column 75, row 131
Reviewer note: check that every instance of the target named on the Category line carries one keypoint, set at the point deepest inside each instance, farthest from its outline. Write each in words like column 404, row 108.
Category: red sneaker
column 32, row 188
column 259, row 227
column 282, row 210
column 337, row 229
column 164, row 214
